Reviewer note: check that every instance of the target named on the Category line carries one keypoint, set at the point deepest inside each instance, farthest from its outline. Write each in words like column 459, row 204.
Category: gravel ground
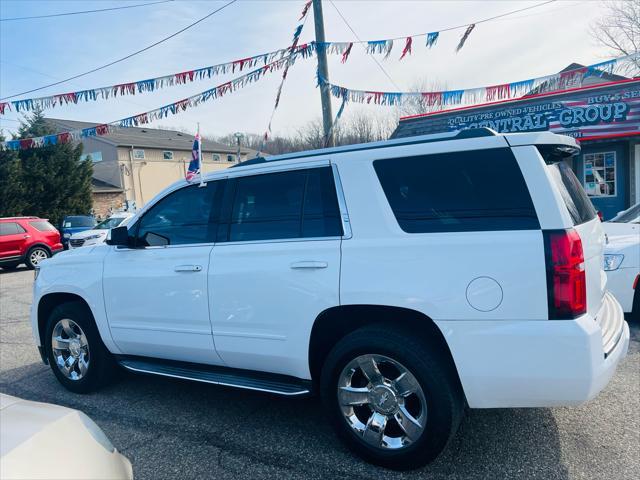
column 174, row 429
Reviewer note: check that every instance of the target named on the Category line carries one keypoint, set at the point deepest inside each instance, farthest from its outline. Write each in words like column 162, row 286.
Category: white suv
column 402, row 280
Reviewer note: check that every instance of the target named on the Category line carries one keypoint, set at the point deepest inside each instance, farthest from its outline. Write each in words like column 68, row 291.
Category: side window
column 11, row 228
column 293, row 204
column 267, row 206
column 457, row 192
column 183, row 217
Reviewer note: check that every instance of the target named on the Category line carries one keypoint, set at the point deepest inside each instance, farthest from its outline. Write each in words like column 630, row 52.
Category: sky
column 39, row 51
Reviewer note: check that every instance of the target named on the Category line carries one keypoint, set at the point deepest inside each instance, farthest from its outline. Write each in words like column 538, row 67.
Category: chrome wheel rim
column 70, row 349
column 37, row 256
column 382, row 402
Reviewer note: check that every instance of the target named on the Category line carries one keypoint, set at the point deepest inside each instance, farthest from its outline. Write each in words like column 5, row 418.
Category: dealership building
column 603, row 117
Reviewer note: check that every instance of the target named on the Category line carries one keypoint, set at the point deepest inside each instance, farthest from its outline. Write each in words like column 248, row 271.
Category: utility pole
column 323, row 71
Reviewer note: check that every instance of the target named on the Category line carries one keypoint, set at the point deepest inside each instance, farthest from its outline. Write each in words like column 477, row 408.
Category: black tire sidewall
column 100, row 361
column 444, row 405
column 31, row 250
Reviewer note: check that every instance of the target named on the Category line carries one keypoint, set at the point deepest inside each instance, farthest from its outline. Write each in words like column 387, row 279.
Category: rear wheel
column 390, row 397
column 76, row 354
column 635, row 307
column 35, row 256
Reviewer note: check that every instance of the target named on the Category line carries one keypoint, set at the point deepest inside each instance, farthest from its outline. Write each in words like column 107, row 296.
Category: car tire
column 385, row 442
column 35, row 255
column 76, row 353
column 634, row 316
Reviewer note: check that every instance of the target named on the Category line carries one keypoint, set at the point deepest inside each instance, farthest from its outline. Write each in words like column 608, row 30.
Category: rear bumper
column 546, row 363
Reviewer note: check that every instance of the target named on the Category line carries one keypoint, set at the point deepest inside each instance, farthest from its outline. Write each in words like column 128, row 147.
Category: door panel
column 12, row 239
column 156, row 294
column 156, row 302
column 265, row 298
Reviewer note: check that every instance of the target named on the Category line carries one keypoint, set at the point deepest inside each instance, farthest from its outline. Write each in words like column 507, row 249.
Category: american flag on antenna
column 194, row 164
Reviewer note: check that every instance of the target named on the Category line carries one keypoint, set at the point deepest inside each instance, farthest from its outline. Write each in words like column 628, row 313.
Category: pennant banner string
column 559, row 81
column 151, row 84
column 159, row 113
column 294, row 45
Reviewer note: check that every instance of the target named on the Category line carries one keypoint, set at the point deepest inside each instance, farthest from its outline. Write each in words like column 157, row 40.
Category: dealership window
column 230, row 158
column 216, row 157
column 167, row 155
column 138, row 154
column 600, row 174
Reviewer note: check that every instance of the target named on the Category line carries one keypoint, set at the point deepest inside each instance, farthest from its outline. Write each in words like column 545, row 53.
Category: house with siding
column 132, row 165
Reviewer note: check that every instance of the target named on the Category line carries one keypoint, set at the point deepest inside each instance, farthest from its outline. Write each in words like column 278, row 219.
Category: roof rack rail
column 438, row 137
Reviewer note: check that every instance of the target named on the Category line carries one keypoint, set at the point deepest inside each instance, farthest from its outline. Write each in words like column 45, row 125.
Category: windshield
column 109, row 223
column 628, row 216
column 79, row 221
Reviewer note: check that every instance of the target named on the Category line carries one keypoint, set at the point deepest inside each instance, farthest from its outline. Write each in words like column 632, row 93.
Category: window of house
column 183, row 217
column 11, row 228
column 600, row 174
column 294, row 204
column 456, row 192
column 167, row 155
column 138, row 154
column 94, row 156
column 216, row 157
column 230, row 158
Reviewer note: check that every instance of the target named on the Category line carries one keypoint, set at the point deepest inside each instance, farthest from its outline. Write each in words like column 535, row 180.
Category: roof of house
column 100, row 186
column 148, row 137
column 603, row 77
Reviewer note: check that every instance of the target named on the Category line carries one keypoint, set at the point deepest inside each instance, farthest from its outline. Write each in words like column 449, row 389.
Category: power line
column 477, row 22
column 359, row 40
column 125, row 57
column 83, row 11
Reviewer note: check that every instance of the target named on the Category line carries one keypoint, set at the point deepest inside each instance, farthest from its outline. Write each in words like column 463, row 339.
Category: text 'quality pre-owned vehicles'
column 402, row 280
column 27, row 240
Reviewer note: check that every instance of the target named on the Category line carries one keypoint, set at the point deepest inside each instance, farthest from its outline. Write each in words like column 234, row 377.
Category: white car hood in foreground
column 35, row 439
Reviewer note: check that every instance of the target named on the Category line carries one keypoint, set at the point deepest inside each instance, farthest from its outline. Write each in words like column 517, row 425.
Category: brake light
column 566, row 278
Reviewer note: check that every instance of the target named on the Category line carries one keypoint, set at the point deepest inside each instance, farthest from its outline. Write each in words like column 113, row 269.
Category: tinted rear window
column 575, row 198
column 458, row 191
column 72, row 222
column 43, row 226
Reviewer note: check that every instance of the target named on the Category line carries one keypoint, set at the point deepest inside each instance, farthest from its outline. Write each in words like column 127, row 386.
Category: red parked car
column 27, row 240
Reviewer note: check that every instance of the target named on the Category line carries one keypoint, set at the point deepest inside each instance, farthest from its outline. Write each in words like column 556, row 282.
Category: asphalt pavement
column 178, row 429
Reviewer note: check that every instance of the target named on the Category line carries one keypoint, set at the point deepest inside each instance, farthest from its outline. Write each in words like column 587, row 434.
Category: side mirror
column 119, row 236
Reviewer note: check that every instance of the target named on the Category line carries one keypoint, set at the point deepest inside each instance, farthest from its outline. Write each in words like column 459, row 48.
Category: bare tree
column 423, row 104
column 619, row 30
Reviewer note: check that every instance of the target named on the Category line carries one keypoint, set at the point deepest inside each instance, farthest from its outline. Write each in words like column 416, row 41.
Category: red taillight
column 600, row 216
column 566, row 279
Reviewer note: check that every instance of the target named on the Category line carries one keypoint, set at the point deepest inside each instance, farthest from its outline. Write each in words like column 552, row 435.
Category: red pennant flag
column 346, row 53
column 407, row 48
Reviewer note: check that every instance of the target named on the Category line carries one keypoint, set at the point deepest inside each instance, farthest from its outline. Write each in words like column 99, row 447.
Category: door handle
column 309, row 264
column 188, row 268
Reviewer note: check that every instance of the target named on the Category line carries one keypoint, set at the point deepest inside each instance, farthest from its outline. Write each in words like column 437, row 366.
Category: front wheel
column 390, row 397
column 35, row 256
column 76, row 354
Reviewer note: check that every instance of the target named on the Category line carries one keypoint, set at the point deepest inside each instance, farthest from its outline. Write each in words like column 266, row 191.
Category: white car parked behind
column 99, row 233
column 622, row 259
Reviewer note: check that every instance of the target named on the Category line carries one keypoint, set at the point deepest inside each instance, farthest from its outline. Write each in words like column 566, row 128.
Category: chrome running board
column 229, row 377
